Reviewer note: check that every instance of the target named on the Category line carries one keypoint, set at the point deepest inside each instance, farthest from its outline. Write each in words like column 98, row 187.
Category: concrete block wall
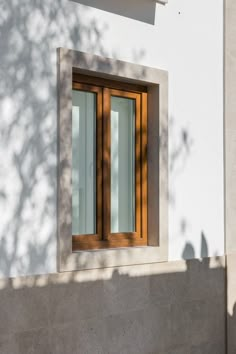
column 165, row 308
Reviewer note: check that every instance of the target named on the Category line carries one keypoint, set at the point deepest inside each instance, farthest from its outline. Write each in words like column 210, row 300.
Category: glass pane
column 122, row 165
column 83, row 162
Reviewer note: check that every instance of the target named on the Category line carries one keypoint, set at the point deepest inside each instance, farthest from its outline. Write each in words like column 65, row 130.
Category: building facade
column 172, row 292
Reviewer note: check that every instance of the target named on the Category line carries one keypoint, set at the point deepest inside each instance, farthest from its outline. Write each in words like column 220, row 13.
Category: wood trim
column 91, row 244
column 138, row 166
column 113, row 84
column 107, row 189
column 99, row 159
column 84, row 238
column 104, row 238
column 99, row 100
column 144, row 169
column 85, row 87
column 124, row 94
column 106, row 163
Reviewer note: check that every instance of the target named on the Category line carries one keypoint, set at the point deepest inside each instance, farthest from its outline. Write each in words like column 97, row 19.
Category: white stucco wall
column 186, row 39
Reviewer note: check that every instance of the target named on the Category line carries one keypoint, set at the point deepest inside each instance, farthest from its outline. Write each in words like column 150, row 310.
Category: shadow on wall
column 141, row 10
column 181, row 146
column 189, row 253
column 29, row 36
column 176, row 307
column 30, row 32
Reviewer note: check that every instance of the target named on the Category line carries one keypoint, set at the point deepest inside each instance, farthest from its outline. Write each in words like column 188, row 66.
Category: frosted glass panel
column 122, row 165
column 83, row 162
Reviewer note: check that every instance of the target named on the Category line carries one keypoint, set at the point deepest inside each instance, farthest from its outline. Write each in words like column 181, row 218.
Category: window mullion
column 99, row 162
column 106, row 163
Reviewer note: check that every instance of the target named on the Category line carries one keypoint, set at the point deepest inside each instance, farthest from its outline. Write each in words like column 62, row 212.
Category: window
column 102, row 235
column 109, row 164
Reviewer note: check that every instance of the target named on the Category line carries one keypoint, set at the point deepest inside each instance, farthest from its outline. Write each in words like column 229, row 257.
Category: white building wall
column 186, row 39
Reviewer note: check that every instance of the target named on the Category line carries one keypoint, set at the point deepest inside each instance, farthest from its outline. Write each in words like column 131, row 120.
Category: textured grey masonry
column 163, row 308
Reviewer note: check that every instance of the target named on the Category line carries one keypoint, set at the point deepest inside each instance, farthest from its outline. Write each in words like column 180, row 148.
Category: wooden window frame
column 104, row 90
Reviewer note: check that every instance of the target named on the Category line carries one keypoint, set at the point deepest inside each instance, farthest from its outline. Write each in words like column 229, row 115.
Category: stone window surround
column 157, row 84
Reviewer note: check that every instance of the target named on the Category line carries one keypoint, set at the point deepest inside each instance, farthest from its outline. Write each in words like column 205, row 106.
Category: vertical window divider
column 99, row 158
column 106, row 163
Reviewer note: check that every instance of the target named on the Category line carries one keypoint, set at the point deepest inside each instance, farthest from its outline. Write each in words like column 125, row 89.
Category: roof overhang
column 162, row 1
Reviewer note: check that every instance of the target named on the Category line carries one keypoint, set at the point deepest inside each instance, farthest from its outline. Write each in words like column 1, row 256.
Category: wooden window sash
column 108, row 93
column 112, row 84
column 104, row 238
column 98, row 92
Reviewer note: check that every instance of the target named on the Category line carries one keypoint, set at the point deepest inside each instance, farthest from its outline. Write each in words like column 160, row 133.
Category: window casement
column 109, row 164
column 94, row 95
